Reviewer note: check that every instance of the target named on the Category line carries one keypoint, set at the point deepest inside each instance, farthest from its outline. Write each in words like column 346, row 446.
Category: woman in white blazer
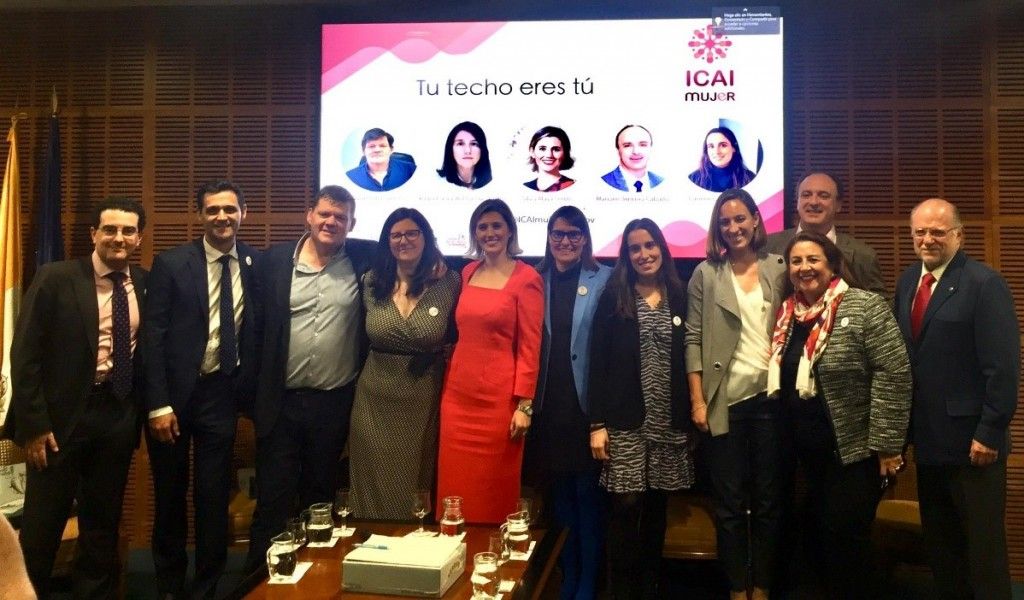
column 733, row 296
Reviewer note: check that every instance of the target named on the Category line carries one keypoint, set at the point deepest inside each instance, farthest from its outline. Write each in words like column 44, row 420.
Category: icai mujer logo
column 708, row 45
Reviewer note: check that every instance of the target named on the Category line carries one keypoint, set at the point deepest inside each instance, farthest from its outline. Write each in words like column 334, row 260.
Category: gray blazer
column 713, row 327
column 864, row 377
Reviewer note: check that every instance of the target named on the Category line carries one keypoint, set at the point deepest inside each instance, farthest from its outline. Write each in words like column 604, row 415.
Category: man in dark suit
column 817, row 203
column 958, row 320
column 199, row 345
column 74, row 405
column 314, row 344
column 633, row 143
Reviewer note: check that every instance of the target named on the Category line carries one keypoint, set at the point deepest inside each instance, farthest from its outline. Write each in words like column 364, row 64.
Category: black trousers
column 208, row 427
column 747, row 471
column 962, row 513
column 636, row 538
column 837, row 516
column 298, row 460
column 92, row 467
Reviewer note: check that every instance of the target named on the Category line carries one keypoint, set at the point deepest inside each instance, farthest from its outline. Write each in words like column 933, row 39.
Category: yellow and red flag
column 10, row 266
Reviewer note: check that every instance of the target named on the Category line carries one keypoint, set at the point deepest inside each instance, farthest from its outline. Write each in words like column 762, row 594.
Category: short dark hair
column 375, row 134
column 556, row 132
column 215, row 187
column 625, row 127
column 335, row 194
column 576, row 218
column 715, row 249
column 834, row 256
column 494, row 205
column 385, row 267
column 118, row 203
column 826, row 173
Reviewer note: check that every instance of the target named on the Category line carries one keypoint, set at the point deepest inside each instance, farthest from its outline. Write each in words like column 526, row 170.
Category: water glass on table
column 297, row 527
column 281, row 557
column 342, row 507
column 420, row 508
column 485, row 575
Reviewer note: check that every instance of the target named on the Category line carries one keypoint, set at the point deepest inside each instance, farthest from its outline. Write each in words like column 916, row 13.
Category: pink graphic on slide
column 709, row 45
column 688, row 239
column 348, row 48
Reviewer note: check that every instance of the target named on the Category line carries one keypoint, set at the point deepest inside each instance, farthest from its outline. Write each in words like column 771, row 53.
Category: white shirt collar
column 832, row 235
column 213, row 254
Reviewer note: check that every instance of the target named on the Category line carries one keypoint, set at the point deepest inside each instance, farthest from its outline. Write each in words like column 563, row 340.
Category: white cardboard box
column 422, row 567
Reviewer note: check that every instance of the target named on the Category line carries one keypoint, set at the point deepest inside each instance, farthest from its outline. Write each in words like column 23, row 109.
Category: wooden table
column 323, row 579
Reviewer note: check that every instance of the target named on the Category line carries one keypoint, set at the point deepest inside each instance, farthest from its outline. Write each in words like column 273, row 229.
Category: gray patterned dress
column 393, row 436
column 655, row 455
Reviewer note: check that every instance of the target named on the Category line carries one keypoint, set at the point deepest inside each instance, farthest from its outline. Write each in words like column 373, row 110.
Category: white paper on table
column 429, row 552
column 300, row 570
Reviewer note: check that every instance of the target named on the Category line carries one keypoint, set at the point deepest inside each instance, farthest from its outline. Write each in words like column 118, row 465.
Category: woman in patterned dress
column 733, row 296
column 639, row 410
column 487, row 403
column 409, row 297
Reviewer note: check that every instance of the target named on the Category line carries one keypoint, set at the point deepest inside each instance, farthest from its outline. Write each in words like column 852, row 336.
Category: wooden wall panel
column 902, row 101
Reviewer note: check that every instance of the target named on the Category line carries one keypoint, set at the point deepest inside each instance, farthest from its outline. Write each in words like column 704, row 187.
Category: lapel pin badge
column 582, row 290
column 432, row 311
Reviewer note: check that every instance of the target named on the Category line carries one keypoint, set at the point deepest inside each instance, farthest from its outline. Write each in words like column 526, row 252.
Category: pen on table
column 371, row 546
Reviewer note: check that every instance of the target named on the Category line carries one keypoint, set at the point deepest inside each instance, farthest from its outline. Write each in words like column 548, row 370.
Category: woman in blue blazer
column 639, row 407
column 733, row 296
column 558, row 448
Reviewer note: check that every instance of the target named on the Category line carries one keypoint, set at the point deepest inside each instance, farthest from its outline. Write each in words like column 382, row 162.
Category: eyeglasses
column 556, row 235
column 936, row 234
column 113, row 230
column 412, row 235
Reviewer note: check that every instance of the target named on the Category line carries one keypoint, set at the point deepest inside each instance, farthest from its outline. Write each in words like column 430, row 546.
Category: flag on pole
column 51, row 239
column 10, row 265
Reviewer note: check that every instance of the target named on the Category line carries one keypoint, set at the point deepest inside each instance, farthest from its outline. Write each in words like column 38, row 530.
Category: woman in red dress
column 488, row 392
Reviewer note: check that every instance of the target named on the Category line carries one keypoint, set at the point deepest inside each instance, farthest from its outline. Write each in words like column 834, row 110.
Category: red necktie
column 921, row 298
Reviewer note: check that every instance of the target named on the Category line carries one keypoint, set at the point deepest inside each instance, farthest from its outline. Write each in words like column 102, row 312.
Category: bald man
column 958, row 321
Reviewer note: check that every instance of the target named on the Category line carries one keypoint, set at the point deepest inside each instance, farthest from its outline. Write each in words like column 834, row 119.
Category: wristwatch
column 526, row 409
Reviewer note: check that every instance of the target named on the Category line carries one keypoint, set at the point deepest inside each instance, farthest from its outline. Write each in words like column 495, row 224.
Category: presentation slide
column 624, row 119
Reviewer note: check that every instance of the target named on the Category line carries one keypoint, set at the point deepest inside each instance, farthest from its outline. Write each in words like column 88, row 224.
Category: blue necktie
column 639, row 185
column 228, row 344
column 121, row 339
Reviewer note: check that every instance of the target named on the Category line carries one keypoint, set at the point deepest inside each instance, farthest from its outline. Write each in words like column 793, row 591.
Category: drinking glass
column 281, row 556
column 297, row 527
column 342, row 507
column 420, row 508
column 524, row 506
column 485, row 575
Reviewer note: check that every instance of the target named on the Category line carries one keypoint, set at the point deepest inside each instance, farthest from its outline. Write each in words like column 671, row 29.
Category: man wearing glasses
column 958, row 320
column 74, row 408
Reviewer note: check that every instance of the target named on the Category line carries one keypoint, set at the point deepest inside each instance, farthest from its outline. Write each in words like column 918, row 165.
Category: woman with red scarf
column 840, row 369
